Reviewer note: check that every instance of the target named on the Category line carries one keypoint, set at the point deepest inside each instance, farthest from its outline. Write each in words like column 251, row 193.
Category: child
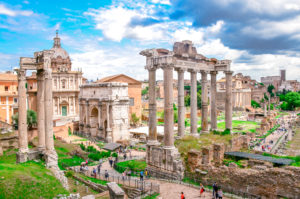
column 182, row 196
column 201, row 190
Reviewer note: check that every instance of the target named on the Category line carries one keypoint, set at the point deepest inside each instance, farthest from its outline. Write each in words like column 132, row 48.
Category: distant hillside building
column 134, row 92
column 8, row 96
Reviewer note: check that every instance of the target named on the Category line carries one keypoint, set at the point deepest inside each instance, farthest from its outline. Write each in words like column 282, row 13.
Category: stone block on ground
column 88, row 197
column 115, row 192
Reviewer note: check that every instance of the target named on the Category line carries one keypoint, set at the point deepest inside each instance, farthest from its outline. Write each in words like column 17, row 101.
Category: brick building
column 134, row 91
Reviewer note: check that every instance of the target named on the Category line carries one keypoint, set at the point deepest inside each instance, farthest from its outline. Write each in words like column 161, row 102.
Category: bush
column 255, row 104
column 99, row 155
column 114, row 155
column 69, row 173
column 91, row 149
column 82, row 146
column 69, row 162
column 226, row 132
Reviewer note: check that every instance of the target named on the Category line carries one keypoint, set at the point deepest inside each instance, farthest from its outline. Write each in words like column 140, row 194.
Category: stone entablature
column 104, row 111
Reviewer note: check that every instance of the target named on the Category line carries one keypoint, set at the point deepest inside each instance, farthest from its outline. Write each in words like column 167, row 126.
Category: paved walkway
column 271, row 140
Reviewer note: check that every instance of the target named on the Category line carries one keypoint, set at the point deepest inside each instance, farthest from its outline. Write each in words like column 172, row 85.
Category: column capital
column 192, row 70
column 48, row 73
column 213, row 72
column 21, row 74
column 40, row 75
column 167, row 66
column 180, row 70
column 228, row 72
column 151, row 68
column 203, row 72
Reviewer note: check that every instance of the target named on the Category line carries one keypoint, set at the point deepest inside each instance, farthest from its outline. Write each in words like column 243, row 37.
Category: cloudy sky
column 104, row 37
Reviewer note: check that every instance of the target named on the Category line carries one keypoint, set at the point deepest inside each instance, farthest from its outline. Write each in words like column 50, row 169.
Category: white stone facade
column 104, row 111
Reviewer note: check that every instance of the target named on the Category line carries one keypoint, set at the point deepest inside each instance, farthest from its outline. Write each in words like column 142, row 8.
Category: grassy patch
column 240, row 126
column 63, row 163
column 295, row 158
column 153, row 196
column 228, row 161
column 134, row 165
column 97, row 181
column 190, row 142
column 281, row 114
column 28, row 180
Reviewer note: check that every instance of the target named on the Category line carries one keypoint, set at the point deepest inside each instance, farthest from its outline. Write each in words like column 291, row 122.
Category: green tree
column 255, row 104
column 291, row 101
column 145, row 91
column 134, row 119
column 31, row 119
column 187, row 100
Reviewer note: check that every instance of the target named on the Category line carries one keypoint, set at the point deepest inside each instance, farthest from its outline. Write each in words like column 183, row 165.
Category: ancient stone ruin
column 41, row 62
column 104, row 111
column 184, row 57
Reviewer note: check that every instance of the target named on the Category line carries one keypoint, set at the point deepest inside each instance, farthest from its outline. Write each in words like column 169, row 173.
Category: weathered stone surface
column 240, row 142
column 232, row 165
column 88, row 197
column 115, row 192
column 263, row 182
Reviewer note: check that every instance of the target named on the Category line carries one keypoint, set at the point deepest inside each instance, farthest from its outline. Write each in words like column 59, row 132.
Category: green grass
column 63, row 163
column 281, row 114
column 228, row 161
column 80, row 140
column 240, row 126
column 153, row 196
column 295, row 158
column 28, row 180
column 134, row 165
column 97, row 181
column 189, row 142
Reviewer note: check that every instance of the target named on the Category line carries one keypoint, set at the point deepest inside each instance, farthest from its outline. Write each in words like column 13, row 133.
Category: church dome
column 60, row 60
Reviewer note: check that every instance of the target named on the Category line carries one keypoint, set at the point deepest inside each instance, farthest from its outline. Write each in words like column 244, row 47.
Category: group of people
column 217, row 192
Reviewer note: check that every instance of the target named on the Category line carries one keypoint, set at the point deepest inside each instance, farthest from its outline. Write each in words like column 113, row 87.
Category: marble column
column 41, row 110
column 99, row 118
column 213, row 99
column 181, row 107
column 87, row 117
column 108, row 129
column 168, row 107
column 80, row 115
column 204, row 103
column 193, row 104
column 48, row 106
column 228, row 100
column 22, row 123
column 152, row 107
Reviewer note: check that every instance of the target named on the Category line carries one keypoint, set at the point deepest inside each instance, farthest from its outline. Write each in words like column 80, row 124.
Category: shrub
column 114, row 155
column 99, row 155
column 69, row 173
column 226, row 132
column 91, row 149
column 82, row 146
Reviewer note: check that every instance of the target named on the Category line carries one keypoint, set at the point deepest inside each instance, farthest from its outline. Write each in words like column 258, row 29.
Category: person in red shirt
column 182, row 196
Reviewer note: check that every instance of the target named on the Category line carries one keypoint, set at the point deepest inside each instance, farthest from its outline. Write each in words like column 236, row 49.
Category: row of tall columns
column 168, row 104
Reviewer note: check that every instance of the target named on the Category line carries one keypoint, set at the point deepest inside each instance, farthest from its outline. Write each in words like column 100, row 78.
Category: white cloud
column 12, row 13
column 165, row 2
column 270, row 29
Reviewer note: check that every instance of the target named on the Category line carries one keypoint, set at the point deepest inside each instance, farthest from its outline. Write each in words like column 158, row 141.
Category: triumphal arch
column 165, row 160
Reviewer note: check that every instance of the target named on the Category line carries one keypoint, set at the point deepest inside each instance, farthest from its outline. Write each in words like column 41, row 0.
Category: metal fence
column 143, row 185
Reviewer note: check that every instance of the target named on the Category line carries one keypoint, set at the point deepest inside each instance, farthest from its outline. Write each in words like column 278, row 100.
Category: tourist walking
column 215, row 190
column 125, row 156
column 201, row 190
column 99, row 168
column 106, row 175
column 141, row 175
column 110, row 161
column 123, row 175
column 95, row 173
column 146, row 174
column 220, row 193
column 182, row 196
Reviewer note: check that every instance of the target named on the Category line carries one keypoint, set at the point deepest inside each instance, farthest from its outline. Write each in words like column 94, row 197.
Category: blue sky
column 105, row 37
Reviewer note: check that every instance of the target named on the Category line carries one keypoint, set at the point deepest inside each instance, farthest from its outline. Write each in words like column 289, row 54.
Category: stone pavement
column 274, row 136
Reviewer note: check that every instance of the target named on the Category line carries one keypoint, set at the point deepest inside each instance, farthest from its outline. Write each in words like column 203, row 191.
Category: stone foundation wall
column 258, row 181
column 164, row 162
column 10, row 142
column 238, row 143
